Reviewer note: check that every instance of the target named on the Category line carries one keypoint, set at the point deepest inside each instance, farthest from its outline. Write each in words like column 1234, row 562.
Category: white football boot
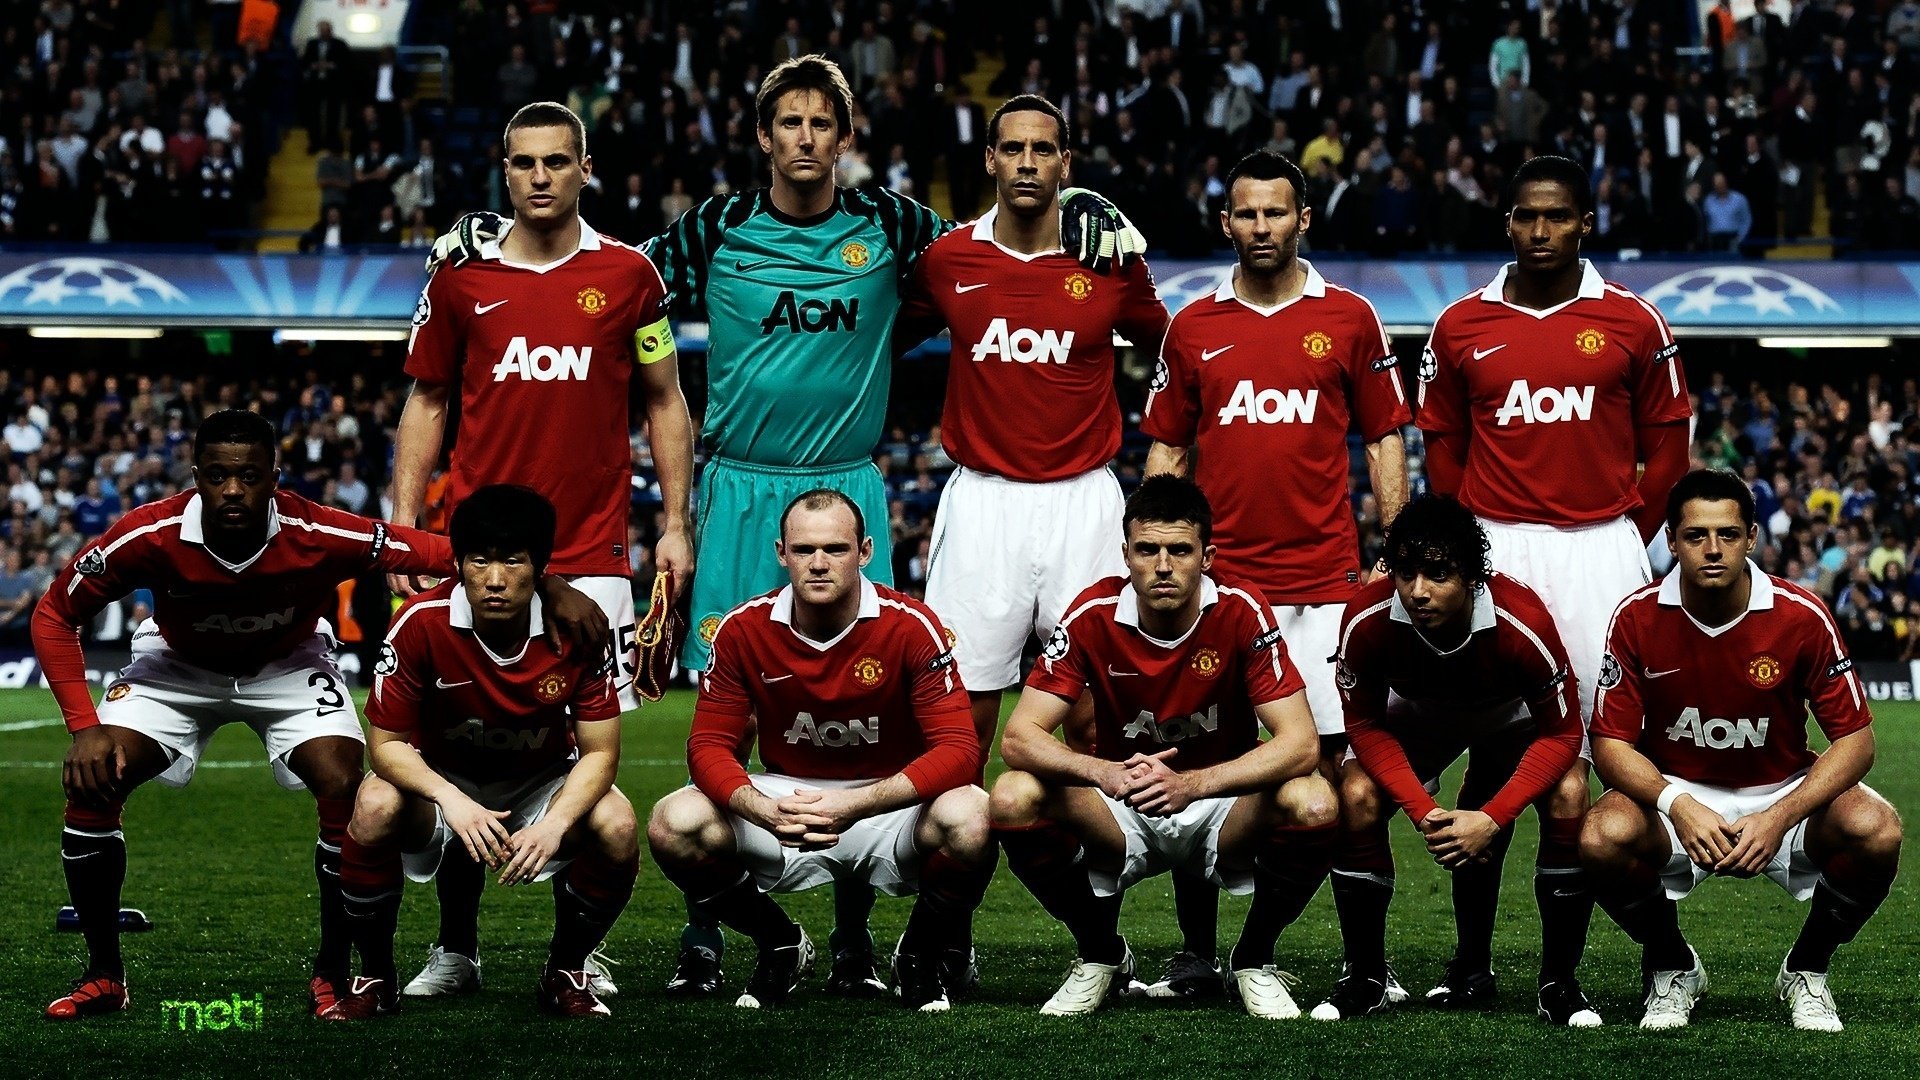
column 1670, row 1001
column 1807, row 994
column 1263, row 990
column 446, row 974
column 1087, row 986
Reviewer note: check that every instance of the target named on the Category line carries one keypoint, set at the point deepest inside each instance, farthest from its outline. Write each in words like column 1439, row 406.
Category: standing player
column 1444, row 656
column 540, row 337
column 485, row 741
column 1555, row 407
column 1254, row 396
column 1183, row 672
column 1701, row 735
column 869, row 777
column 242, row 575
column 1032, row 516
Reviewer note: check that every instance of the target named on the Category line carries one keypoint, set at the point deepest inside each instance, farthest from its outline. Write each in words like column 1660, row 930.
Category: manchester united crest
column 592, row 301
column 1079, row 287
column 709, row 626
column 868, row 671
column 551, row 688
column 118, row 690
column 1317, row 344
column 1763, row 671
column 1205, row 663
column 1590, row 341
column 855, row 255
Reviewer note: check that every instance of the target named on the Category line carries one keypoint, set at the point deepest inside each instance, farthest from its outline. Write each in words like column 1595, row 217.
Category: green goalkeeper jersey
column 800, row 316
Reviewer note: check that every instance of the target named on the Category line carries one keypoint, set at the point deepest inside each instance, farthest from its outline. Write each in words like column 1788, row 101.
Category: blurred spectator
column 323, row 79
column 328, row 235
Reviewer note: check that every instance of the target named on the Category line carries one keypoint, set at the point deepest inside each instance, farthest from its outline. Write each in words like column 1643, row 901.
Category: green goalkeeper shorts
column 739, row 521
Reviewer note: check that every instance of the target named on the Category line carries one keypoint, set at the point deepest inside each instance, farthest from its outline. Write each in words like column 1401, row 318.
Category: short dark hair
column 1712, row 485
column 1269, row 165
column 1167, row 498
column 236, row 427
column 1553, row 169
column 810, row 72
column 501, row 519
column 821, row 499
column 547, row 114
column 1027, row 103
column 1436, row 531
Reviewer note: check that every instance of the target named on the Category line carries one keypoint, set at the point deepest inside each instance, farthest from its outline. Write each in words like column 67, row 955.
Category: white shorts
column 1792, row 868
column 615, row 597
column 1189, row 839
column 1312, row 634
column 180, row 705
column 526, row 802
column 1582, row 574
column 879, row 850
column 1008, row 557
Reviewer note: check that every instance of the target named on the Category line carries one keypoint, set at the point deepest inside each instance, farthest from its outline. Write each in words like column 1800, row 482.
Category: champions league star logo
column 1766, row 293
column 60, row 282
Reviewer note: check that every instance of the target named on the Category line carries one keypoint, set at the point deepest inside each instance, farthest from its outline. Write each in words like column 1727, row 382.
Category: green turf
column 224, row 869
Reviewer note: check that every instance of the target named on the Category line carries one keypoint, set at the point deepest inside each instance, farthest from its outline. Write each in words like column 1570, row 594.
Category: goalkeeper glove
column 1095, row 232
column 463, row 241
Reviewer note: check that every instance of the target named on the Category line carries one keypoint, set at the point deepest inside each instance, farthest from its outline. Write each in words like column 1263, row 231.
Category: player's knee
column 678, row 826
column 1017, row 800
column 1872, row 828
column 963, row 821
column 1308, row 802
column 616, row 829
column 1569, row 797
column 1610, row 833
column 376, row 808
column 1359, row 800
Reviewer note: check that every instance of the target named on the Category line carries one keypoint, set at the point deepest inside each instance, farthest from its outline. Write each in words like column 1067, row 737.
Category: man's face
column 823, row 553
column 1027, row 163
column 1546, row 226
column 544, row 174
column 1165, row 560
column 805, row 139
column 1264, row 220
column 1711, row 544
column 499, row 585
column 1434, row 594
column 236, row 482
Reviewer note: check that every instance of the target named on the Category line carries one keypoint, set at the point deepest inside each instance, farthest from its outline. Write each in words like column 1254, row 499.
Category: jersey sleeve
column 1173, row 398
column 1832, row 687
column 1618, row 710
column 1379, row 396
column 720, row 718
column 102, row 572
column 438, row 340
column 1270, row 673
column 593, row 695
column 653, row 334
column 953, row 755
column 1441, row 403
column 363, row 544
column 1539, row 657
column 910, row 229
column 920, row 316
column 1143, row 315
column 1659, row 382
column 1062, row 668
column 685, row 251
column 1363, row 697
column 399, row 677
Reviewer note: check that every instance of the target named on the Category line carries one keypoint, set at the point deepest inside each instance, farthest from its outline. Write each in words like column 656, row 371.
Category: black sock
column 1362, row 899
column 730, row 895
column 580, row 923
column 459, row 885
column 1043, row 858
column 96, row 867
column 702, row 930
column 852, row 907
column 1834, row 920
column 1285, row 877
column 1639, row 905
column 1476, row 900
column 1566, row 912
column 942, row 915
column 335, row 954
column 1196, row 906
column 373, row 920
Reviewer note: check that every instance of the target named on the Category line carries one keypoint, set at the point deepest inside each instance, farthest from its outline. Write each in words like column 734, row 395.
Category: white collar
column 1483, row 617
column 589, row 241
column 1592, row 287
column 193, row 530
column 1316, row 287
column 1759, row 598
column 869, row 604
column 983, row 230
column 460, row 612
column 1127, row 612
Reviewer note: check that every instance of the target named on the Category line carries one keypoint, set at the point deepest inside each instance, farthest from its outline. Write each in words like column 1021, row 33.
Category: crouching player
column 486, row 739
column 870, row 751
column 1700, row 732
column 1443, row 657
column 1183, row 671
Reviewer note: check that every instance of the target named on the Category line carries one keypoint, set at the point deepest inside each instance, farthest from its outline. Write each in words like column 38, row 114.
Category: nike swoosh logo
column 328, row 712
column 482, row 309
column 445, row 685
column 1651, row 674
column 1481, row 354
column 1208, row 354
column 764, row 677
column 959, row 288
column 742, row 267
column 1116, row 674
column 77, row 858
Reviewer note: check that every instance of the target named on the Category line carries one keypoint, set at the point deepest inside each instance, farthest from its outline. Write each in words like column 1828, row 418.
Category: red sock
column 93, row 819
column 1364, row 851
column 367, row 871
column 334, row 815
column 1559, row 843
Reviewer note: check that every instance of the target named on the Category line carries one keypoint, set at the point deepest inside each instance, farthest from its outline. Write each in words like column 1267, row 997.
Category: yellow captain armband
column 654, row 343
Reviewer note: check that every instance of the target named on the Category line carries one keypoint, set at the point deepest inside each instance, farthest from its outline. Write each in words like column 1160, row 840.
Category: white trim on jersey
column 106, row 552
column 1369, row 613
column 1600, row 690
column 1552, row 664
column 1666, row 334
column 393, row 632
column 1260, row 613
column 1315, row 286
column 939, row 640
column 589, row 241
column 1592, row 287
column 783, row 614
column 1386, row 341
column 1833, row 634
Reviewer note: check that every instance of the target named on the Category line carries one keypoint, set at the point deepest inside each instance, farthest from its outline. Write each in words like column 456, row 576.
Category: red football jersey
column 1727, row 706
column 882, row 698
column 542, row 357
column 1197, row 693
column 1267, row 395
column 1549, row 400
column 473, row 714
column 231, row 618
column 1512, row 655
column 1030, row 378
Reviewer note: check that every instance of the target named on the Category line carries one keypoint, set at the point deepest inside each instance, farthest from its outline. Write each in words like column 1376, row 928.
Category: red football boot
column 321, row 994
column 365, row 998
column 94, row 996
column 569, row 994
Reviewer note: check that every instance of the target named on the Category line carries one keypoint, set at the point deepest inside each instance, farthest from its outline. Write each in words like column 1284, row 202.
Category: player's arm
column 586, row 784
column 1844, row 764
column 1662, row 420
column 1172, row 415
column 1441, row 411
column 684, row 252
column 1171, row 460
column 1704, row 835
column 951, row 760
column 1380, row 754
column 1028, row 744
column 1556, row 746
column 670, row 435
column 480, row 830
column 423, row 427
column 1387, row 469
column 1663, row 452
column 94, row 766
column 1292, row 751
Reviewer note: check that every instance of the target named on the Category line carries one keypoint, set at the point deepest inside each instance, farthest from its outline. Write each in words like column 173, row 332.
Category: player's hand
column 405, row 585
column 1436, row 818
column 831, row 812
column 94, row 767
column 1461, row 838
column 1705, row 836
column 479, row 828
column 674, row 554
column 573, row 618
column 531, row 849
column 1119, row 779
column 1159, row 790
column 1095, row 232
column 1375, row 572
column 1760, row 836
column 463, row 240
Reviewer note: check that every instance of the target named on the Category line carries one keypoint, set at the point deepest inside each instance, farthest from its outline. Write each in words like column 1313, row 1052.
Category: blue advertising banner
column 380, row 290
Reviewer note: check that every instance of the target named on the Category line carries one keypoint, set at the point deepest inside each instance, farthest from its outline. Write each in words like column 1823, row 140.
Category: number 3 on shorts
column 330, row 696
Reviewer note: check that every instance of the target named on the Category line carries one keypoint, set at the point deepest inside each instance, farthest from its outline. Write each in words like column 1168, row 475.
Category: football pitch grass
column 224, row 869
